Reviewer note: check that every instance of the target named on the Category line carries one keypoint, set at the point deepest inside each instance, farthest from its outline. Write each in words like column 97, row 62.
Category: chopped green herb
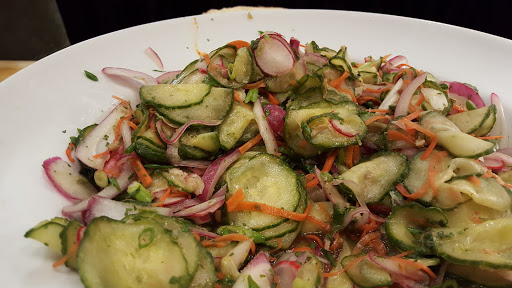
column 114, row 182
column 156, row 70
column 91, row 76
column 252, row 95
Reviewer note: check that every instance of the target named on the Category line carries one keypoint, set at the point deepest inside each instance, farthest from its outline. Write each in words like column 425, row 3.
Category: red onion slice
column 286, row 273
column 394, row 269
column 274, row 55
column 393, row 62
column 402, row 107
column 68, row 182
column 109, row 192
column 343, row 129
column 214, row 171
column 184, row 204
column 392, row 96
column 330, row 191
column 154, row 57
column 204, row 233
column 295, row 45
column 167, row 77
column 177, row 134
column 266, row 133
column 95, row 142
column 275, row 118
column 100, row 206
column 202, row 209
column 260, row 271
column 130, row 74
column 202, row 220
column 500, row 127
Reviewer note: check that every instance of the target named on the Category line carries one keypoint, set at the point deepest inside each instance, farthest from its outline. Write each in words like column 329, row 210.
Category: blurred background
column 31, row 30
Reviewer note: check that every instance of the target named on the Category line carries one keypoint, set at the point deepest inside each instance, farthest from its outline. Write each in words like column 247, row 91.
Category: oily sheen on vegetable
column 273, row 163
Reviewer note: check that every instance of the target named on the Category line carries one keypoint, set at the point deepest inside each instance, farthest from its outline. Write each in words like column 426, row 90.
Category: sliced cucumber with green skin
column 141, row 254
column 310, row 272
column 47, row 232
column 304, row 99
column 470, row 213
column 436, row 98
column 173, row 95
column 201, row 137
column 293, row 134
column 481, row 275
column 342, row 280
column 471, row 121
column 308, row 82
column 142, row 115
column 376, row 177
column 329, row 73
column 487, row 125
column 191, row 152
column 236, row 69
column 205, row 276
column 191, row 67
column 243, row 67
column 264, row 179
column 194, row 77
column 324, row 51
column 284, row 242
column 365, row 273
column 342, row 62
column 234, row 125
column 483, row 245
column 409, row 218
column 148, row 147
column 453, row 140
column 287, row 226
column 214, row 107
column 319, row 131
column 68, row 238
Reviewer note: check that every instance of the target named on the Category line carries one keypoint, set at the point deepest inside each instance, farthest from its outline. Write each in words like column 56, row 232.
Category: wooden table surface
column 7, row 68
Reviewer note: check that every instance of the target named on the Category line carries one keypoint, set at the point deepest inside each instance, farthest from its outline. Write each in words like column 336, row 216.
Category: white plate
column 53, row 96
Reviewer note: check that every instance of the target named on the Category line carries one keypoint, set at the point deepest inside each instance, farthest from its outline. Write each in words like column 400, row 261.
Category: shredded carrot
column 371, row 90
column 239, row 44
column 220, row 276
column 237, row 197
column 279, row 245
column 458, row 108
column 161, row 201
column 237, row 238
column 104, row 153
column 330, row 160
column 133, row 125
column 397, row 136
column 251, row 143
column 375, row 118
column 432, row 135
column 363, row 99
column 302, row 249
column 258, row 84
column 338, row 82
column 317, row 240
column 312, row 183
column 208, row 243
column 402, row 65
column 196, row 236
column 378, row 246
column 272, row 98
column 310, row 177
column 121, row 100
column 320, row 224
column 423, row 189
column 111, row 172
column 117, row 132
column 401, row 255
column 490, row 137
column 350, row 93
column 503, row 183
column 70, row 253
column 345, row 268
column 379, row 110
column 335, row 242
column 416, row 264
column 356, row 155
column 141, row 171
column 473, row 179
column 364, row 241
column 349, row 157
column 217, row 285
column 421, row 99
column 237, row 98
column 475, row 219
column 413, row 115
column 70, row 148
column 303, row 143
column 487, row 174
column 205, row 56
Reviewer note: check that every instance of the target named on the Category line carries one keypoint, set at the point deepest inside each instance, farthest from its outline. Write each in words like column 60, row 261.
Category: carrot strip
column 336, row 83
column 432, row 135
column 310, row 177
column 279, row 245
column 397, row 136
column 402, row 65
column 335, row 242
column 349, row 92
column 208, row 243
column 423, row 189
column 487, row 174
column 70, row 148
column 364, row 241
column 196, row 236
column 141, row 171
column 160, row 201
column 317, row 240
column 220, row 276
column 349, row 156
column 357, row 155
column 205, row 56
column 237, row 238
column 379, row 110
column 104, row 153
column 371, row 90
column 503, row 183
column 133, row 125
column 270, row 210
column 124, row 102
column 385, row 57
column 421, row 99
column 401, row 255
column 303, row 249
column 258, row 84
column 330, row 160
column 341, row 271
column 318, row 223
column 237, row 98
column 413, row 115
column 458, row 108
column 237, row 197
column 272, row 98
column 111, row 172
column 490, row 137
column 239, row 44
column 432, row 172
column 375, row 118
column 363, row 99
column 244, row 148
column 312, row 183
column 417, row 265
column 68, row 255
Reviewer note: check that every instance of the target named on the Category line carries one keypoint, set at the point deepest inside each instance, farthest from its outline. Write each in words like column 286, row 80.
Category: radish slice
column 274, row 55
column 109, row 192
column 405, row 98
column 100, row 206
column 130, row 74
column 67, row 181
column 275, row 118
column 154, row 57
column 167, row 77
column 315, row 58
column 95, row 142
column 266, row 133
column 497, row 161
column 202, row 209
column 260, row 271
column 286, row 272
column 392, row 96
column 330, row 191
column 295, row 45
column 393, row 62
column 214, row 171
column 177, row 134
column 344, row 130
column 500, row 127
column 466, row 93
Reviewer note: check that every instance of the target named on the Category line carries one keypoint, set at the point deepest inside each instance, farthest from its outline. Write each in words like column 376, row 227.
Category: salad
column 278, row 164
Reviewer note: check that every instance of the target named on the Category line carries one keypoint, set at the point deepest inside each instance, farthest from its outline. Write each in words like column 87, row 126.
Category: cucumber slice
column 470, row 121
column 365, row 273
column 190, row 68
column 376, row 177
column 406, row 224
column 309, row 273
column 470, row 213
column 205, row 276
column 149, row 147
column 141, row 253
column 287, row 226
column 304, row 99
column 243, row 65
column 484, row 245
column 265, row 179
column 214, row 107
column 68, row 238
column 222, row 69
column 488, row 124
column 47, row 232
column 195, row 77
column 342, row 62
column 201, row 137
column 308, row 82
column 173, row 95
column 481, row 275
column 234, row 125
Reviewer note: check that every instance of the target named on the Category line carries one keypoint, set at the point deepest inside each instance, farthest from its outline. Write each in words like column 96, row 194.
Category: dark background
column 41, row 27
